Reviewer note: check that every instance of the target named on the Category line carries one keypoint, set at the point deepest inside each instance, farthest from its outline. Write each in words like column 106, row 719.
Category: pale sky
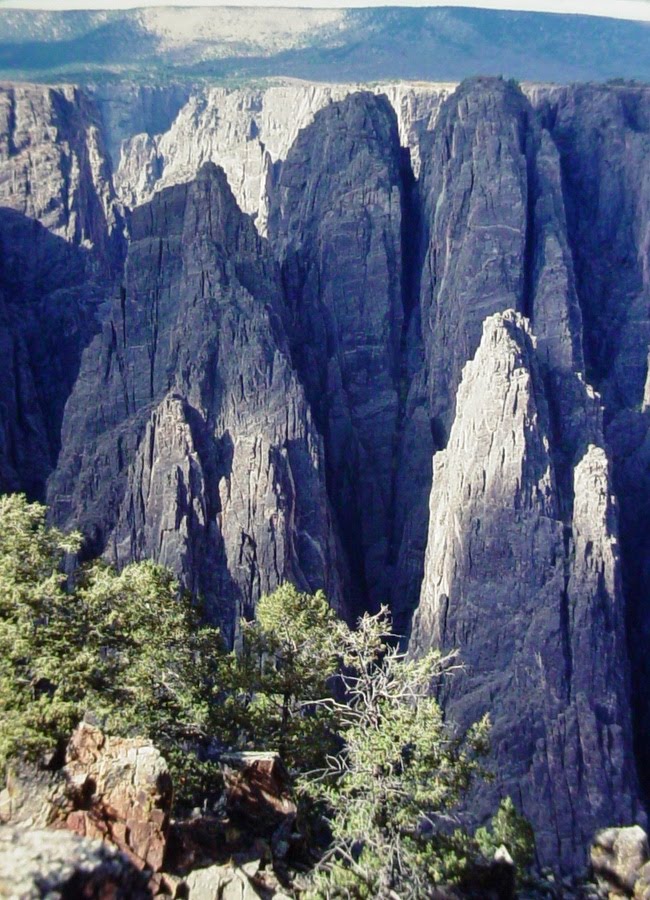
column 620, row 9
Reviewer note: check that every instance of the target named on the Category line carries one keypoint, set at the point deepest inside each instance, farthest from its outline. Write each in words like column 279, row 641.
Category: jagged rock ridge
column 246, row 422
column 188, row 438
column 532, row 603
column 247, row 131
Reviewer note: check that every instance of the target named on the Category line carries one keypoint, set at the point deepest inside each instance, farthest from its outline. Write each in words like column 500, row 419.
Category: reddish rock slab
column 257, row 790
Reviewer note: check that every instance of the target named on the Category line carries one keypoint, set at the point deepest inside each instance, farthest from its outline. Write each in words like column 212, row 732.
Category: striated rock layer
column 188, row 438
column 246, row 131
column 532, row 602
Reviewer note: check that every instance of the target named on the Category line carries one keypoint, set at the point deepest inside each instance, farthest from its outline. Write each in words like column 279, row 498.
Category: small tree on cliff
column 289, row 654
column 128, row 648
column 39, row 678
column 400, row 769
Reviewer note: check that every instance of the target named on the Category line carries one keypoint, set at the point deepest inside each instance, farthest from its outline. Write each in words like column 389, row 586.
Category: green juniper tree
column 400, row 769
column 288, row 656
column 41, row 681
column 128, row 649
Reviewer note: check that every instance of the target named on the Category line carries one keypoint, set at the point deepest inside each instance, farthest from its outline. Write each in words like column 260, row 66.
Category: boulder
column 115, row 789
column 617, row 857
column 122, row 792
column 642, row 884
column 257, row 790
column 222, row 883
column 57, row 864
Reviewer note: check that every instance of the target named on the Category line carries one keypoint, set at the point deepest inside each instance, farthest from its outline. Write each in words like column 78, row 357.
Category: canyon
column 389, row 342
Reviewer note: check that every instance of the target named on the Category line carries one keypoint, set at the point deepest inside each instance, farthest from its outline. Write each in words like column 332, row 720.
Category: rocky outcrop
column 188, row 438
column 223, row 883
column 56, row 864
column 246, row 423
column 128, row 108
column 475, row 218
column 336, row 224
column 257, row 791
column 618, row 857
column 54, row 166
column 123, row 793
column 109, row 788
column 603, row 136
column 494, row 236
column 532, row 602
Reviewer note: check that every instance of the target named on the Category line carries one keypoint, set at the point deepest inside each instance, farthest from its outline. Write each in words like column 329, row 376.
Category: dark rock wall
column 603, row 138
column 336, row 224
column 255, row 411
column 61, row 242
column 188, row 438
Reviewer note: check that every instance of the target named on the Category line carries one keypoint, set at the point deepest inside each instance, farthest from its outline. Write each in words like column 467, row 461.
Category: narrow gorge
column 392, row 343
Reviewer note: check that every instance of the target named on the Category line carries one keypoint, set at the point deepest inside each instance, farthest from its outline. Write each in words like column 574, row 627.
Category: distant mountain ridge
column 239, row 44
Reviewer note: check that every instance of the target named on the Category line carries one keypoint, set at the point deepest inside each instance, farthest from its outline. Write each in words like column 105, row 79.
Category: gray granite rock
column 188, row 438
column 246, row 423
column 618, row 856
column 336, row 224
column 474, row 222
column 532, row 602
column 57, row 864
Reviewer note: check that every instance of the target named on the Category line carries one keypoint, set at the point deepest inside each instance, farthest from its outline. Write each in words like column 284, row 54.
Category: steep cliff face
column 188, row 437
column 53, row 164
column 128, row 108
column 245, row 131
column 475, row 190
column 603, row 136
column 336, row 224
column 532, row 602
column 60, row 238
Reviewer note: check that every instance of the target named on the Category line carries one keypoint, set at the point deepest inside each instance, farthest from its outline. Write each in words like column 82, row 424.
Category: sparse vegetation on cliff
column 128, row 650
column 353, row 719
